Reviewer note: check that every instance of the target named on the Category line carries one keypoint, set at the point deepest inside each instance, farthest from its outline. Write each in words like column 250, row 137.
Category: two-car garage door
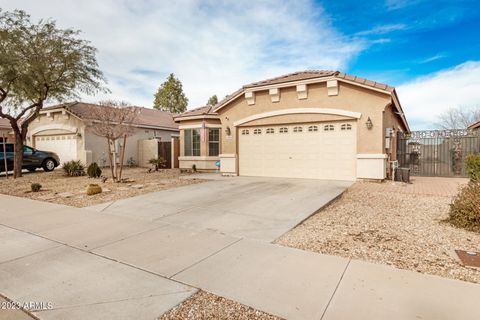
column 314, row 151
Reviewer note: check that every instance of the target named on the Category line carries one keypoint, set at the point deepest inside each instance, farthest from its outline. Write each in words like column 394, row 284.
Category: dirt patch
column 204, row 305
column 58, row 188
column 384, row 226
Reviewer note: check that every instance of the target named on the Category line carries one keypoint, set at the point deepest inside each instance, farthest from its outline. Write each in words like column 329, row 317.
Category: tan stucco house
column 65, row 130
column 310, row 124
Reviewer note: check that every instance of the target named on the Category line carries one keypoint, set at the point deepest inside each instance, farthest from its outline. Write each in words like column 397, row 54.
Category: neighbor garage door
column 65, row 146
column 314, row 151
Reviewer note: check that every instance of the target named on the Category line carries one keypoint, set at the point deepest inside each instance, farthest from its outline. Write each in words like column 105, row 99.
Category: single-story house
column 309, row 124
column 66, row 130
column 475, row 126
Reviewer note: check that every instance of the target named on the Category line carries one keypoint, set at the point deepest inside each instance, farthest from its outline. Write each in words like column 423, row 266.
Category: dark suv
column 32, row 158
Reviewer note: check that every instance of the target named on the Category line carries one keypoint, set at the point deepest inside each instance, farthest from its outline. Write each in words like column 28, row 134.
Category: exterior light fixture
column 369, row 123
column 228, row 131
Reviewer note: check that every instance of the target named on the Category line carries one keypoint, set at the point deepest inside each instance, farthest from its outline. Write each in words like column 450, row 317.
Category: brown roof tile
column 295, row 76
column 474, row 125
column 200, row 111
column 146, row 116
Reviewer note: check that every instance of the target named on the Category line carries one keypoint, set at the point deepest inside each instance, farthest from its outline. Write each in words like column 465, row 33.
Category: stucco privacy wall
column 97, row 146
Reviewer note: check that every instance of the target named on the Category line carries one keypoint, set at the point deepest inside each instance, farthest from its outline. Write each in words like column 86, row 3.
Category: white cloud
column 214, row 47
column 432, row 58
column 424, row 98
column 382, row 29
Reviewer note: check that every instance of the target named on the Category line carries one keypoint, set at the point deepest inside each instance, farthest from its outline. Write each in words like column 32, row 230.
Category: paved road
column 139, row 257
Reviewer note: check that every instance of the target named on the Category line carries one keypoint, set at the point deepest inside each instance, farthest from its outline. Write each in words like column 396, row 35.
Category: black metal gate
column 437, row 152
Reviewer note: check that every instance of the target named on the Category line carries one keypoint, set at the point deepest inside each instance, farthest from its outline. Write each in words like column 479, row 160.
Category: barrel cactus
column 93, row 189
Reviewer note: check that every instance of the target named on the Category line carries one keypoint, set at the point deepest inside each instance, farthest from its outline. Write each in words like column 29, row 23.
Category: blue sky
column 429, row 50
column 408, row 38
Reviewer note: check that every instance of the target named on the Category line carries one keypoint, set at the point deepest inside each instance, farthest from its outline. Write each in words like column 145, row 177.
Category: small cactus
column 35, row 187
column 93, row 189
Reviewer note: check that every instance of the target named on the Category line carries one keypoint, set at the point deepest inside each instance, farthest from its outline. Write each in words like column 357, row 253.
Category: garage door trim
column 338, row 112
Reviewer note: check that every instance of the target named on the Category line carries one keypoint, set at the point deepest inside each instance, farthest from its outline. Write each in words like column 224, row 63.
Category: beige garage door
column 313, row 151
column 65, row 146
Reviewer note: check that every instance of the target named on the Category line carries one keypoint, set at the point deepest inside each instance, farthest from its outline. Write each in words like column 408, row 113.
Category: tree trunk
column 5, row 162
column 122, row 156
column 18, row 156
column 111, row 160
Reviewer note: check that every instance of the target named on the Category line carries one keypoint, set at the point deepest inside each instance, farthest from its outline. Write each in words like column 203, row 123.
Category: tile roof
column 474, row 125
column 146, row 117
column 200, row 111
column 295, row 76
column 312, row 74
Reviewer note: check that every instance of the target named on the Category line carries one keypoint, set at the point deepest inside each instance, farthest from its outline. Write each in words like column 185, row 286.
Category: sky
column 428, row 50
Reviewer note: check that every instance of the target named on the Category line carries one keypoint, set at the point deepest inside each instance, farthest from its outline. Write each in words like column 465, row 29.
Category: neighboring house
column 5, row 130
column 311, row 124
column 64, row 129
column 475, row 126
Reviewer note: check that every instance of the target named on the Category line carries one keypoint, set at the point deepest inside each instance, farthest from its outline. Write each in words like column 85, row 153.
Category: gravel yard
column 204, row 305
column 58, row 188
column 388, row 224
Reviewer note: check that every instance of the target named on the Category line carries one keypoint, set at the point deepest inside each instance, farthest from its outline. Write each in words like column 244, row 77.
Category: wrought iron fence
column 437, row 152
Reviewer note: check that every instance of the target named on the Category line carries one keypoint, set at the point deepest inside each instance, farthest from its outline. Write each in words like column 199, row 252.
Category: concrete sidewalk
column 102, row 266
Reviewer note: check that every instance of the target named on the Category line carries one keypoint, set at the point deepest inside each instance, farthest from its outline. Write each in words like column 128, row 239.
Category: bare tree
column 458, row 118
column 114, row 120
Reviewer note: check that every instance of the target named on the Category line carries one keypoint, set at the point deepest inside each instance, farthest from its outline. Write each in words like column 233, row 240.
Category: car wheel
column 48, row 165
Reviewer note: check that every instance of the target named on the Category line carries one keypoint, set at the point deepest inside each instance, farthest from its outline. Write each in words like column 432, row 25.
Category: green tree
column 170, row 96
column 213, row 100
column 40, row 63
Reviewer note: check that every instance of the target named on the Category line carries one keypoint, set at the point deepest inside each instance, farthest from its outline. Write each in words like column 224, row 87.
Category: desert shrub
column 158, row 163
column 93, row 189
column 74, row 168
column 94, row 170
column 194, row 168
column 35, row 187
column 472, row 166
column 465, row 207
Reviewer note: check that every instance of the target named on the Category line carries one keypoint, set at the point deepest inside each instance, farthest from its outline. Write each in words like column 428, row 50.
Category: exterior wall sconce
column 228, row 132
column 369, row 123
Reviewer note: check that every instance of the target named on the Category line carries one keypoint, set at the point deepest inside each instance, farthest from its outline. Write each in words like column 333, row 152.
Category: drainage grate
column 469, row 258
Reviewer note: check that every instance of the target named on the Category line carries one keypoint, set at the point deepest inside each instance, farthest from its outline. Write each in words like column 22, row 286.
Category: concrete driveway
column 137, row 258
column 255, row 208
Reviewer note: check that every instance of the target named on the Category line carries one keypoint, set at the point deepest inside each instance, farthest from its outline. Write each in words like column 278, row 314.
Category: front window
column 192, row 142
column 213, row 142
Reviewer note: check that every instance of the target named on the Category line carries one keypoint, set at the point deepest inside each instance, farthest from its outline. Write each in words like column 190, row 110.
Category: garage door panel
column 65, row 146
column 319, row 154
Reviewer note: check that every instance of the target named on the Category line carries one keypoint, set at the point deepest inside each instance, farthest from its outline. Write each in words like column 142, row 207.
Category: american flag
column 203, row 132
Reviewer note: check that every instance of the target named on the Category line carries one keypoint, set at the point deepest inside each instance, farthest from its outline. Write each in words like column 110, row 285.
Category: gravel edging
column 204, row 305
column 402, row 230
